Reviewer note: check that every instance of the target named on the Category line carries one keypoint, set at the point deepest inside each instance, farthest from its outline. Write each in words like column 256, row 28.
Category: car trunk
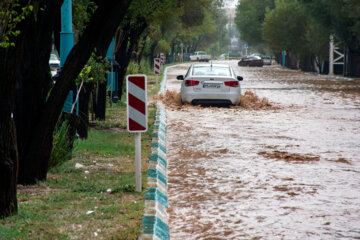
column 212, row 84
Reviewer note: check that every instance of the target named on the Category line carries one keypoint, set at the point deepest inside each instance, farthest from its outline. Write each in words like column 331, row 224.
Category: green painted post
column 283, row 58
column 110, row 76
column 66, row 44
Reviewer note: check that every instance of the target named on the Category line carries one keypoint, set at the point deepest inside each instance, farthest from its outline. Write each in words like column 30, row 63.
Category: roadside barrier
column 164, row 80
column 155, row 220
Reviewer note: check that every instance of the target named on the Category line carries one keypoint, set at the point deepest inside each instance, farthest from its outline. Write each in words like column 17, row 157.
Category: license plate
column 211, row 85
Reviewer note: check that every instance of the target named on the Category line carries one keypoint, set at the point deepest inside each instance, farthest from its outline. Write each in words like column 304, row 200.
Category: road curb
column 164, row 80
column 155, row 220
column 331, row 76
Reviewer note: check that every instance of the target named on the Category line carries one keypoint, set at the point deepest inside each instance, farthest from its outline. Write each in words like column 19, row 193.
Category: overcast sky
column 230, row 3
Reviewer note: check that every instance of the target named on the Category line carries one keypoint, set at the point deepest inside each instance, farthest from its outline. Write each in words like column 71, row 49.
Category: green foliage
column 133, row 68
column 219, row 40
column 300, row 26
column 143, row 68
column 124, row 188
column 197, row 24
column 162, row 46
column 285, row 27
column 82, row 12
column 250, row 15
column 339, row 17
column 94, row 70
column 62, row 145
column 12, row 12
column 317, row 37
column 146, row 68
column 193, row 14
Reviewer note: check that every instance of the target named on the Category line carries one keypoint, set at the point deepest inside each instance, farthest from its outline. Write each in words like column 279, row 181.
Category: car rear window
column 211, row 70
column 53, row 57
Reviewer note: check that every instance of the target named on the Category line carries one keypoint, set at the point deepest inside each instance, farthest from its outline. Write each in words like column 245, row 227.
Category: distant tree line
column 302, row 28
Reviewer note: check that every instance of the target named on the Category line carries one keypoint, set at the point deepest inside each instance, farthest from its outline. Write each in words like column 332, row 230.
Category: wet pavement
column 289, row 169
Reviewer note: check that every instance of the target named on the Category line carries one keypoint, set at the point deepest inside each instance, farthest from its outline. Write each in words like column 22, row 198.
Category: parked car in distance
column 223, row 56
column 267, row 59
column 200, row 56
column 54, row 62
column 210, row 84
column 255, row 61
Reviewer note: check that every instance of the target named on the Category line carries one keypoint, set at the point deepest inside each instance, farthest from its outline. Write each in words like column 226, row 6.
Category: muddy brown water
column 290, row 170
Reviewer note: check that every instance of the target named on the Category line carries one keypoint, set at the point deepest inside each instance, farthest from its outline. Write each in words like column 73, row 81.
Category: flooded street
column 286, row 170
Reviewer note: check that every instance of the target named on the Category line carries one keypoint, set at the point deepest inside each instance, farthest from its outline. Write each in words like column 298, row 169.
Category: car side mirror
column 180, row 77
column 239, row 78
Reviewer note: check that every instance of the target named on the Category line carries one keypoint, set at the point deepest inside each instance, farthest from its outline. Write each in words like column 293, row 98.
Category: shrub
column 62, row 145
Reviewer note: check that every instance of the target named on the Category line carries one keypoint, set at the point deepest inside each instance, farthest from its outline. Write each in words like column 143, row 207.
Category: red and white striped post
column 136, row 89
column 157, row 70
column 163, row 58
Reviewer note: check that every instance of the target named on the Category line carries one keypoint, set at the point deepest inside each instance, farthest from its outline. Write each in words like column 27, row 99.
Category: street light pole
column 283, row 53
column 110, row 56
column 66, row 34
column 66, row 43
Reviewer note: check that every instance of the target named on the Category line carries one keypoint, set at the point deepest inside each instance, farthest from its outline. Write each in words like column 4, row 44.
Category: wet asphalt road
column 288, row 171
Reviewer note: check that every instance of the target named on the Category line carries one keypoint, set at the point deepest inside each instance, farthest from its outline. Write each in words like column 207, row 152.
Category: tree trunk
column 100, row 104
column 307, row 64
column 172, row 56
column 141, row 50
column 291, row 60
column 127, row 47
column 278, row 58
column 122, row 59
column 352, row 63
column 8, row 166
column 8, row 148
column 33, row 84
column 84, row 98
column 152, row 52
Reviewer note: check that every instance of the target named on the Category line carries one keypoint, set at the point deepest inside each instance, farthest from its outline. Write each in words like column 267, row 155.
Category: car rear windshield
column 211, row 70
column 53, row 57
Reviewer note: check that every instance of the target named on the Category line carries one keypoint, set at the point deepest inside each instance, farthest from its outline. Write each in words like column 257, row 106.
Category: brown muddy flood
column 283, row 165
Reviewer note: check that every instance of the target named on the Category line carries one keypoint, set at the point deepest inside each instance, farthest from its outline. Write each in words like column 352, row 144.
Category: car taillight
column 232, row 83
column 189, row 83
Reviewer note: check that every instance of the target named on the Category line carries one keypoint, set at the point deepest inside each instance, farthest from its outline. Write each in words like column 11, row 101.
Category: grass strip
column 91, row 196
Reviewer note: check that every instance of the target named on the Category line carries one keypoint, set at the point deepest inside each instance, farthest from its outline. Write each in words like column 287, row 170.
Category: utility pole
column 66, row 44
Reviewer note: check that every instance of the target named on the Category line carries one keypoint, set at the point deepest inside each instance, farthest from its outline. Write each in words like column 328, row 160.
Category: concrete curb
column 164, row 80
column 155, row 220
column 331, row 76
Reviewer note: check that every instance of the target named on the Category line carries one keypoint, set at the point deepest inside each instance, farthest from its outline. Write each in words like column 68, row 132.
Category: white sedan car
column 54, row 62
column 208, row 84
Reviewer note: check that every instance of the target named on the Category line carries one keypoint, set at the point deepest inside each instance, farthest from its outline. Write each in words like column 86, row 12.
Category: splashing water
column 249, row 100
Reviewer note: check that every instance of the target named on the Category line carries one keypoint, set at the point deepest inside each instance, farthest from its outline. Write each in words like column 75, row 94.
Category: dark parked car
column 251, row 61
